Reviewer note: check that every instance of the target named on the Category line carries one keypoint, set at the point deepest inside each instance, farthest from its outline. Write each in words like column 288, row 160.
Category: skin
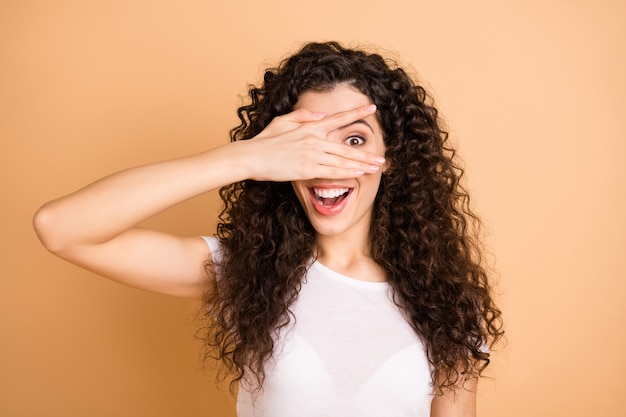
column 342, row 238
column 309, row 147
column 459, row 403
column 292, row 147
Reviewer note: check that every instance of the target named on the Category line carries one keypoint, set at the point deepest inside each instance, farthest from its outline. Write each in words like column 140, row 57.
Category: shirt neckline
column 346, row 279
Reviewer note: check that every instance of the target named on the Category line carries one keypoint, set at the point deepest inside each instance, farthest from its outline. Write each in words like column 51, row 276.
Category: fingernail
column 359, row 172
column 380, row 159
column 371, row 107
column 374, row 168
column 318, row 115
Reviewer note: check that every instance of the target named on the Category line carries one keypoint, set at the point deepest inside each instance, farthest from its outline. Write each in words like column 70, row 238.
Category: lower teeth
column 330, row 201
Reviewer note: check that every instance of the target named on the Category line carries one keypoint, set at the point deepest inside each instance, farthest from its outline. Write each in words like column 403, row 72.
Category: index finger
column 344, row 118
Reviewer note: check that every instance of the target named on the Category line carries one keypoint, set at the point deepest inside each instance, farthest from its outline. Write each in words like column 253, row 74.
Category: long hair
column 425, row 231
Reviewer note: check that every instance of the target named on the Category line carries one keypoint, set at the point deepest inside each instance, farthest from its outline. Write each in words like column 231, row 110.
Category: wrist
column 242, row 160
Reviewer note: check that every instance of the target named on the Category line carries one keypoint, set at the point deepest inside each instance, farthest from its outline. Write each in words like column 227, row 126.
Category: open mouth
column 329, row 200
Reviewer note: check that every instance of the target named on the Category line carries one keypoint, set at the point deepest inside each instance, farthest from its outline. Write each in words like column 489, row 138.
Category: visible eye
column 355, row 140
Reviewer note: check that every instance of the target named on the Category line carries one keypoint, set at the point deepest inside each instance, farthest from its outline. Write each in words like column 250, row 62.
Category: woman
column 345, row 278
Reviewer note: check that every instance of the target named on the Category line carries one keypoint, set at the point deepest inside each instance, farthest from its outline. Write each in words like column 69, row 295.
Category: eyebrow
column 360, row 121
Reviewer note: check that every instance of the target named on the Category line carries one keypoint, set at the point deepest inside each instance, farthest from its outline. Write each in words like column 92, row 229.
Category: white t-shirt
column 350, row 352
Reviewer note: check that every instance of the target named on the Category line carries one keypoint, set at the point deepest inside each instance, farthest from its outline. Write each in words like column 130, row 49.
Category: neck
column 341, row 249
column 348, row 257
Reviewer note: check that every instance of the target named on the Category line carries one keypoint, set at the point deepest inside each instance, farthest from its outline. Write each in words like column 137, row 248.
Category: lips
column 329, row 201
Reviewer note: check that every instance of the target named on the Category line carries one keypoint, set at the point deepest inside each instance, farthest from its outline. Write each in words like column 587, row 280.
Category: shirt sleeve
column 214, row 246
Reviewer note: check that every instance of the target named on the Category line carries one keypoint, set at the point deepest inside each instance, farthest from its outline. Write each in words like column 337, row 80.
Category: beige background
column 533, row 91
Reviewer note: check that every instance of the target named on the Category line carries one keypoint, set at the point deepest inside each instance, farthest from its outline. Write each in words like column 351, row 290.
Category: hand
column 294, row 147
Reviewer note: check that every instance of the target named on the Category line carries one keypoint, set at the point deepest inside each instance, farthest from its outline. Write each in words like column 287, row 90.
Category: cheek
column 372, row 184
column 300, row 190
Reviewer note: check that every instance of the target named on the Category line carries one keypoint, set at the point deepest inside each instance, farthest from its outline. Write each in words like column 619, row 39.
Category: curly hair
column 426, row 234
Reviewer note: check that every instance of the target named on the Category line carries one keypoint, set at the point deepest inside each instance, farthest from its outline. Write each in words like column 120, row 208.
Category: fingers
column 297, row 146
column 344, row 118
column 331, row 122
column 336, row 167
column 301, row 116
column 289, row 122
column 322, row 124
column 345, row 159
column 343, row 156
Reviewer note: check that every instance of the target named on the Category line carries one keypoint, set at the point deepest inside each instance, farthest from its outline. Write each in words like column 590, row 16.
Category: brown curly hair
column 425, row 231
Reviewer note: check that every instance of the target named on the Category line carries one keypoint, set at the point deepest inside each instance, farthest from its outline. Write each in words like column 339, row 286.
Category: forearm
column 107, row 207
column 456, row 402
column 292, row 147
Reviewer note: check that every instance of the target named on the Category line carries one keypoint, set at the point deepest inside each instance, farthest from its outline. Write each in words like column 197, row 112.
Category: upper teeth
column 330, row 193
